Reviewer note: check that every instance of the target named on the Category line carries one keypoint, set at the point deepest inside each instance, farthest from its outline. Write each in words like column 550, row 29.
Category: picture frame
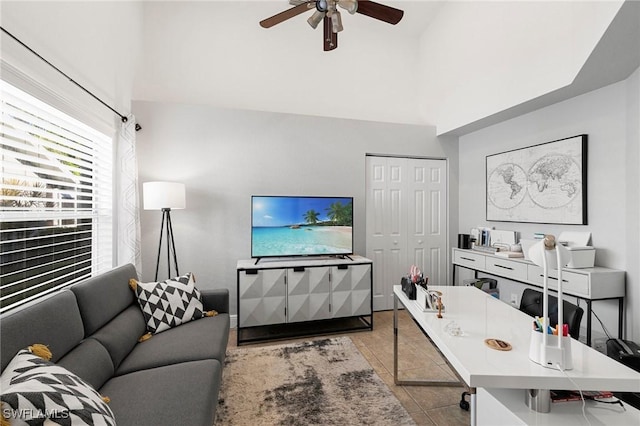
column 544, row 183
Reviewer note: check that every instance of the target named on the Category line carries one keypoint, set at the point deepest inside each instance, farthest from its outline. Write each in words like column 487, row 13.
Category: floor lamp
column 165, row 196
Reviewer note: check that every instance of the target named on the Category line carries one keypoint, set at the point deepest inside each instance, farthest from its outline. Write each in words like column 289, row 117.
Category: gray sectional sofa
column 92, row 329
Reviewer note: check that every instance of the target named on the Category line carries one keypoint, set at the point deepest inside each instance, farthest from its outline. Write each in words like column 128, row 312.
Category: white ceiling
column 216, row 53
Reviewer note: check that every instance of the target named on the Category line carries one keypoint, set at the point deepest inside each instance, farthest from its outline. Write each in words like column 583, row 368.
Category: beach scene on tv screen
column 293, row 226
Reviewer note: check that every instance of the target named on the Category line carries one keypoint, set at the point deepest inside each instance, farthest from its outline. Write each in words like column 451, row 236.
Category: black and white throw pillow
column 36, row 392
column 169, row 303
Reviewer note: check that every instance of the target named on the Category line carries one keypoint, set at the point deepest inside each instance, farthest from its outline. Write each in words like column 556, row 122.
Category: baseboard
column 234, row 321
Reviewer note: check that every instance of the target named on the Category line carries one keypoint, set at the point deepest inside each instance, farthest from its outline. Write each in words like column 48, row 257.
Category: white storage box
column 581, row 257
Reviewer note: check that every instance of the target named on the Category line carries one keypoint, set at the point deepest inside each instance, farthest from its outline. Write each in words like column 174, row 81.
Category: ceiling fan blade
column 287, row 14
column 380, row 11
column 330, row 38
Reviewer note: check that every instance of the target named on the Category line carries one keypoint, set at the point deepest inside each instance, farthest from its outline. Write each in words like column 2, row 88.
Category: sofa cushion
column 103, row 297
column 38, row 389
column 203, row 339
column 54, row 321
column 215, row 300
column 180, row 394
column 121, row 334
column 90, row 361
column 169, row 303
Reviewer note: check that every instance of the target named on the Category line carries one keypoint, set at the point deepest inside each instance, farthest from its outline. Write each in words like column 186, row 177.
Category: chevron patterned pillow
column 37, row 391
column 169, row 303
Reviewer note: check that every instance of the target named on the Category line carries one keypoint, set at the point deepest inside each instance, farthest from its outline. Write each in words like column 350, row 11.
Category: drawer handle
column 466, row 258
column 503, row 267
column 298, row 269
column 554, row 278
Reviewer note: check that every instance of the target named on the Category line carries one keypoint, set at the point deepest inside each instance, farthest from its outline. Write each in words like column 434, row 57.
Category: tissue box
column 581, row 257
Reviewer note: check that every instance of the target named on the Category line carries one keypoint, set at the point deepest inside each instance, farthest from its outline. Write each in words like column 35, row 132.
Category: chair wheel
column 464, row 404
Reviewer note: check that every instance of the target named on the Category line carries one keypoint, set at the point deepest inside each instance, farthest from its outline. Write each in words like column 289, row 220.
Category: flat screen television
column 301, row 226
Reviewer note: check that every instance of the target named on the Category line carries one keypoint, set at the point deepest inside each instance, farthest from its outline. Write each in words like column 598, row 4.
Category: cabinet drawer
column 572, row 282
column 506, row 268
column 469, row 259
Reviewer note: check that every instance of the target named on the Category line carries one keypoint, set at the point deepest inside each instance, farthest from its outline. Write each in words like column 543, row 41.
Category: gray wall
column 225, row 156
column 610, row 117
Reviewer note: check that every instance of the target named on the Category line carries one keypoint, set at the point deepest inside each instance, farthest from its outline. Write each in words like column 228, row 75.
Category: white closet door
column 406, row 221
column 386, row 225
column 427, row 223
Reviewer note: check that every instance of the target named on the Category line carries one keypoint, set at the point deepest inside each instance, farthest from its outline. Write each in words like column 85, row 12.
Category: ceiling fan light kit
column 326, row 10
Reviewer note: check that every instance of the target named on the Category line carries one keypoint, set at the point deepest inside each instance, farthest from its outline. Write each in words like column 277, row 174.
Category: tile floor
column 417, row 359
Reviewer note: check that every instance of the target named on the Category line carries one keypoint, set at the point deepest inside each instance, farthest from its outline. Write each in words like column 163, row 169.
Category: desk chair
column 531, row 303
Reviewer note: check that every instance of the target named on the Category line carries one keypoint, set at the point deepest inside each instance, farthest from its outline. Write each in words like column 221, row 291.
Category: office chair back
column 531, row 303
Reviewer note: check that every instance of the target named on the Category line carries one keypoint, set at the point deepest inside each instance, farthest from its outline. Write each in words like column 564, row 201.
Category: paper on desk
column 502, row 237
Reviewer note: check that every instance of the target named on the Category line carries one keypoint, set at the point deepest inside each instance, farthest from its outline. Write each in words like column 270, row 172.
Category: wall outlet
column 514, row 299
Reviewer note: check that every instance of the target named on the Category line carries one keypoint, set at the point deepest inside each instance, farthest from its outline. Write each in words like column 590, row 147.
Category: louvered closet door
column 406, row 221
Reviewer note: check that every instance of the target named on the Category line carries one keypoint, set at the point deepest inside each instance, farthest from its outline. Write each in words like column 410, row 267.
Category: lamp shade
column 163, row 195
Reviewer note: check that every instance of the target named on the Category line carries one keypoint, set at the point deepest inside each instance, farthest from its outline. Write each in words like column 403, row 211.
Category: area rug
column 321, row 382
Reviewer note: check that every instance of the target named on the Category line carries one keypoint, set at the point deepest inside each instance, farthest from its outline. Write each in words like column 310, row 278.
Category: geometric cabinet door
column 309, row 294
column 351, row 290
column 262, row 295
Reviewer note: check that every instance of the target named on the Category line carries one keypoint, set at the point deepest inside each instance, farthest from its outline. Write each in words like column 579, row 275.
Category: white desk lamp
column 550, row 351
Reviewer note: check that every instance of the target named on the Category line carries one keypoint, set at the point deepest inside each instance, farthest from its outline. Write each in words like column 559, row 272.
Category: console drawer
column 507, row 268
column 469, row 259
column 572, row 282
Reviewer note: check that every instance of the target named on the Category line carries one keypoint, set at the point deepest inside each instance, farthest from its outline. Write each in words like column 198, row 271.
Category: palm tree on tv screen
column 311, row 216
column 340, row 214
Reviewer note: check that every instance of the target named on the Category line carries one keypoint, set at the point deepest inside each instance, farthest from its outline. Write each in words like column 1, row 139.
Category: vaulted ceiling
column 458, row 65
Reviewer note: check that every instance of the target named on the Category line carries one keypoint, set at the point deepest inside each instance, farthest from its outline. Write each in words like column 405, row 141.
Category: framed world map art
column 544, row 183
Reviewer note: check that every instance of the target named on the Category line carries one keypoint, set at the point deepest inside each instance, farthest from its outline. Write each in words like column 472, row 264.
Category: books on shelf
column 574, row 395
column 485, row 249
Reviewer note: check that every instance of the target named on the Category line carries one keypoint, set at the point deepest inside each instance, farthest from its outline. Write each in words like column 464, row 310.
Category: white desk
column 482, row 316
column 588, row 284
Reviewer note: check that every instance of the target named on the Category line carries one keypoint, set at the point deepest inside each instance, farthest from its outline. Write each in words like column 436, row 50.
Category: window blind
column 55, row 199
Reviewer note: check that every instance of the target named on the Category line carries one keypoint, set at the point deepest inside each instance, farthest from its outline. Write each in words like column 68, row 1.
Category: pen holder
column 551, row 355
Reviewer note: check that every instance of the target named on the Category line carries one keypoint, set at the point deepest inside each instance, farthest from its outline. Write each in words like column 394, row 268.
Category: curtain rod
column 122, row 117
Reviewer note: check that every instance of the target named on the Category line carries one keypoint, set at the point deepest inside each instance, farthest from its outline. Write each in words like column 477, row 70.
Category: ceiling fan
column 327, row 11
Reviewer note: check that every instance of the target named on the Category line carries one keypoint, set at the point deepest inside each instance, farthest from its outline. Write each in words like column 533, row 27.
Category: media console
column 295, row 297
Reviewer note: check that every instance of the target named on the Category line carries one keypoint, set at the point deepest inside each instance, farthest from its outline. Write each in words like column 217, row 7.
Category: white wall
column 609, row 117
column 215, row 53
column 632, row 196
column 95, row 43
column 479, row 57
column 224, row 156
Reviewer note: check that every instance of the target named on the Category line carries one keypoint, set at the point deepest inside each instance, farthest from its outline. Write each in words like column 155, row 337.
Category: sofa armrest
column 217, row 299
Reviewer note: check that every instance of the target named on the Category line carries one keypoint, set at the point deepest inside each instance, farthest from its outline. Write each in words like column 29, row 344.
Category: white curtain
column 127, row 199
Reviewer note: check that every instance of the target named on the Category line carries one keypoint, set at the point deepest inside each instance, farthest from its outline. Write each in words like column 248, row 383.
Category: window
column 55, row 199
